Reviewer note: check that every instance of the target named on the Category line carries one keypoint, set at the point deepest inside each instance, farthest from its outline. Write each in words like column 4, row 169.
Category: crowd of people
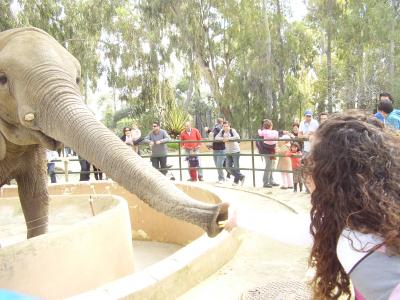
column 225, row 144
column 281, row 150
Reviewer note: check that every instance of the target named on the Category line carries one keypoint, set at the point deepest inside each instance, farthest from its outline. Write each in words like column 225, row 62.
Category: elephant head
column 41, row 104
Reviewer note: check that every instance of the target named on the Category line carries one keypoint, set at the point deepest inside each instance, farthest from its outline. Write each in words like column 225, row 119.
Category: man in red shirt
column 192, row 134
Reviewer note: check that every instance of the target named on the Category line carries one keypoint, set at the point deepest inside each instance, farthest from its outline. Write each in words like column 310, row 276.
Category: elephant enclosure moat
column 169, row 258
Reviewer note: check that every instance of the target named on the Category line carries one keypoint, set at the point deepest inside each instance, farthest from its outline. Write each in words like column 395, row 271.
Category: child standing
column 284, row 163
column 295, row 157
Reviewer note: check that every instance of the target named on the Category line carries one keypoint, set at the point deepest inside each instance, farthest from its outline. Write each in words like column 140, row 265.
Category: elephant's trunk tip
column 222, row 216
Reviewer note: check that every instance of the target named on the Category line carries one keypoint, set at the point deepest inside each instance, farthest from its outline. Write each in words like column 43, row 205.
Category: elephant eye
column 78, row 80
column 3, row 79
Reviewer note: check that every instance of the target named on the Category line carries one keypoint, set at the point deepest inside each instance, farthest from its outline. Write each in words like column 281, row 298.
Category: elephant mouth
column 20, row 135
column 47, row 141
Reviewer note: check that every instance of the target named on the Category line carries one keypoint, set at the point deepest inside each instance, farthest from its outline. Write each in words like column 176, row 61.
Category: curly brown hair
column 355, row 167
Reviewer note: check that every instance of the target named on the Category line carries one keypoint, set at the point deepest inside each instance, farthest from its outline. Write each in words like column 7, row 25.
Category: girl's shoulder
column 353, row 246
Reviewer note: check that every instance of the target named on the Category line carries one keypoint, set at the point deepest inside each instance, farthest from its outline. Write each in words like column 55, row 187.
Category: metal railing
column 145, row 149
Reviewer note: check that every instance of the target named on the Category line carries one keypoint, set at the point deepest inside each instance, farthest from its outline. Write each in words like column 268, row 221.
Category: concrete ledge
column 166, row 279
column 147, row 223
column 174, row 275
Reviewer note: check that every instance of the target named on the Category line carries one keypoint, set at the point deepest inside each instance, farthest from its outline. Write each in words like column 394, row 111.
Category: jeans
column 51, row 167
column 160, row 163
column 269, row 164
column 85, row 170
column 232, row 163
column 219, row 157
column 68, row 151
column 98, row 174
column 194, row 152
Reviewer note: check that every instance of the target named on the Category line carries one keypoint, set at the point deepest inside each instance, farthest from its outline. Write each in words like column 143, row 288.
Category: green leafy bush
column 175, row 119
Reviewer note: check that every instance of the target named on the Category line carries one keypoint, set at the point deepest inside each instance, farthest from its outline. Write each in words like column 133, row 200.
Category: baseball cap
column 308, row 113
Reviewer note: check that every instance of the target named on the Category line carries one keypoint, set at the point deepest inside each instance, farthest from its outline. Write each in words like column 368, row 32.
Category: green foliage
column 108, row 119
column 243, row 60
column 7, row 19
column 125, row 122
column 175, row 119
column 173, row 146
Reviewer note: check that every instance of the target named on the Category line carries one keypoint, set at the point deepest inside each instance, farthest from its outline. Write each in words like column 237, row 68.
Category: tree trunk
column 392, row 50
column 281, row 50
column 268, row 60
column 190, row 90
column 329, row 57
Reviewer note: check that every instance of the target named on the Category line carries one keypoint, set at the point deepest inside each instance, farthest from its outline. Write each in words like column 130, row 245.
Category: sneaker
column 220, row 182
column 283, row 187
column 275, row 184
column 190, row 179
column 235, row 184
column 267, row 185
column 201, row 178
column 242, row 180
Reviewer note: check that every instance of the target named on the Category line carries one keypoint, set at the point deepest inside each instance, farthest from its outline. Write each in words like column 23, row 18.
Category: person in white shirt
column 230, row 137
column 307, row 128
column 136, row 134
column 51, row 156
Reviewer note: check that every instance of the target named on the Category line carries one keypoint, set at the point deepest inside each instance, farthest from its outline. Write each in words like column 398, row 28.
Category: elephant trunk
column 65, row 118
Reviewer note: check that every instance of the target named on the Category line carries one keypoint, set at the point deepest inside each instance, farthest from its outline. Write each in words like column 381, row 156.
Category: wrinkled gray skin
column 41, row 106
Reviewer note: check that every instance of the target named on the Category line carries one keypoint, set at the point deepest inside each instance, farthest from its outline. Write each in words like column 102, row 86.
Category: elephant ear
column 3, row 147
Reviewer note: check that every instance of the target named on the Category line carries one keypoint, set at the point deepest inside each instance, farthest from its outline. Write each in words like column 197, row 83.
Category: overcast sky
column 299, row 9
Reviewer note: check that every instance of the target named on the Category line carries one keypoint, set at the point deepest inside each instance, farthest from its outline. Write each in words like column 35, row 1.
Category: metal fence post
column 252, row 163
column 66, row 164
column 180, row 162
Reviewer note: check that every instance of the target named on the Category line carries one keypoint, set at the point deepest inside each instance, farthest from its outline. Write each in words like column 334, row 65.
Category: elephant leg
column 32, row 190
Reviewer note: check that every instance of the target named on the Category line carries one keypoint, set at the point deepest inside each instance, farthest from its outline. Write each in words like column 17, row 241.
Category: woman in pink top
column 266, row 132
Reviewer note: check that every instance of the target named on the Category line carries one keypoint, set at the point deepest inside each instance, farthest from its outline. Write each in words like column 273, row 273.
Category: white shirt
column 51, row 155
column 135, row 134
column 353, row 245
column 307, row 127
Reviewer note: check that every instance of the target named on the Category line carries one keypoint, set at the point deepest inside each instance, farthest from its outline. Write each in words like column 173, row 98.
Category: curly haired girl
column 353, row 172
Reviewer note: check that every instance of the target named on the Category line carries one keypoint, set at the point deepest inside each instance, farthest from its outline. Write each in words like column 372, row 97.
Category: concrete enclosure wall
column 147, row 224
column 82, row 253
column 73, row 258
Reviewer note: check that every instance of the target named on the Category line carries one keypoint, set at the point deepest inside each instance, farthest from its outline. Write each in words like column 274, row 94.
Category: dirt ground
column 274, row 249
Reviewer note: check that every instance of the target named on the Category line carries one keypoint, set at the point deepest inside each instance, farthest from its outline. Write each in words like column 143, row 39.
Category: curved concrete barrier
column 166, row 279
column 74, row 257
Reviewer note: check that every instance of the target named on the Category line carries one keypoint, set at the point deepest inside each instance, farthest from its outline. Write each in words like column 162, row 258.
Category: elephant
column 42, row 107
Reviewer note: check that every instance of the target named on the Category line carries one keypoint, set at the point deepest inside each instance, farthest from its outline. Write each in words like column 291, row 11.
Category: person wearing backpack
column 218, row 150
column 267, row 149
column 230, row 137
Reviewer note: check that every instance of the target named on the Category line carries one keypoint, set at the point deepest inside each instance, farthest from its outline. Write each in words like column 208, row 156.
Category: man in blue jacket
column 392, row 116
column 383, row 97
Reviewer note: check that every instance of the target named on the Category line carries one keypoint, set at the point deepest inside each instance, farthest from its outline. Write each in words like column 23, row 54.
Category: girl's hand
column 231, row 223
